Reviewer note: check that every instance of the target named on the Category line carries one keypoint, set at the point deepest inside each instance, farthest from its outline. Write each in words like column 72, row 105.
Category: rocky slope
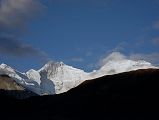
column 8, row 87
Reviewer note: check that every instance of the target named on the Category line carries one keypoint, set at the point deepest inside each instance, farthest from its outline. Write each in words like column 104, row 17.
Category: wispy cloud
column 156, row 40
column 90, row 3
column 14, row 17
column 152, row 57
column 156, row 25
column 114, row 56
column 146, row 37
column 13, row 47
column 16, row 13
column 89, row 53
column 76, row 59
column 119, row 47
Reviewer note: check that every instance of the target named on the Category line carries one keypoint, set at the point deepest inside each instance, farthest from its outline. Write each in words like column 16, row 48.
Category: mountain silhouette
column 125, row 96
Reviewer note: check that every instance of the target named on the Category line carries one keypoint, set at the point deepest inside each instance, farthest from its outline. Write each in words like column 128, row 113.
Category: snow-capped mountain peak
column 6, row 68
column 63, row 76
column 51, row 65
column 19, row 77
column 118, row 63
column 57, row 77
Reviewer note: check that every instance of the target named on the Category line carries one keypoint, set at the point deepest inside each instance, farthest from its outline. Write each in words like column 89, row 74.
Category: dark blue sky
column 81, row 32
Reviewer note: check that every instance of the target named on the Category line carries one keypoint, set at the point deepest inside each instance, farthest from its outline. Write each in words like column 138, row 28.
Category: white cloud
column 114, row 56
column 15, row 13
column 14, row 16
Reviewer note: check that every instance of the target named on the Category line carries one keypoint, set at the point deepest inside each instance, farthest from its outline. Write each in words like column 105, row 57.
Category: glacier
column 57, row 77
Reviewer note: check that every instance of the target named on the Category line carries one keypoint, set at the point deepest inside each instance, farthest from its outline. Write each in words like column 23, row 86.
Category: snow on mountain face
column 118, row 63
column 56, row 77
column 114, row 67
column 53, row 78
column 34, row 75
column 5, row 69
column 63, row 76
column 20, row 78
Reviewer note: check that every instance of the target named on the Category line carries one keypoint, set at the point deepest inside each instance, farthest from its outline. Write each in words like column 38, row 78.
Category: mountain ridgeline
column 57, row 77
column 126, row 96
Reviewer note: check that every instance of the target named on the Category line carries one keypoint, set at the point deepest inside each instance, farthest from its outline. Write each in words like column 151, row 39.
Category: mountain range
column 121, row 89
column 57, row 77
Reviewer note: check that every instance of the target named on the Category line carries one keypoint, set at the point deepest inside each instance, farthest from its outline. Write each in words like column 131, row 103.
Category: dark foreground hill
column 126, row 96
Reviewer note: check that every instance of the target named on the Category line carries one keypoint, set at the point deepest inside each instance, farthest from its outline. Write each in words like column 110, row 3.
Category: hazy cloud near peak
column 16, row 13
column 152, row 57
column 117, row 56
column 114, row 56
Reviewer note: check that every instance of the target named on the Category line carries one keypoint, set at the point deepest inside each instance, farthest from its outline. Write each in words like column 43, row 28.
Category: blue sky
column 81, row 32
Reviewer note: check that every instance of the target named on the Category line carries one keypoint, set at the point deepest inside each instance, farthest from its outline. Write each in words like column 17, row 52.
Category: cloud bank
column 14, row 17
column 16, row 13
column 13, row 47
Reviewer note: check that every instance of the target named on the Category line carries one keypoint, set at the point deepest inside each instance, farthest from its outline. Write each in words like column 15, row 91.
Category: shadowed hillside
column 126, row 96
column 6, row 83
column 8, row 87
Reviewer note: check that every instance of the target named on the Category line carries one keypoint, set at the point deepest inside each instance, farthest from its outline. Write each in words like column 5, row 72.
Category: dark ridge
column 3, row 75
column 126, row 96
column 136, row 77
column 18, row 94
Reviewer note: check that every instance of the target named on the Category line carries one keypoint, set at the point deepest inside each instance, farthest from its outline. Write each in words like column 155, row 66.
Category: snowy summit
column 57, row 77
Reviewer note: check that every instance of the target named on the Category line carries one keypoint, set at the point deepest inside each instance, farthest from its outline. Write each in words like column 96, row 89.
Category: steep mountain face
column 126, row 96
column 8, row 87
column 6, row 83
column 53, row 78
column 56, row 77
column 63, row 76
